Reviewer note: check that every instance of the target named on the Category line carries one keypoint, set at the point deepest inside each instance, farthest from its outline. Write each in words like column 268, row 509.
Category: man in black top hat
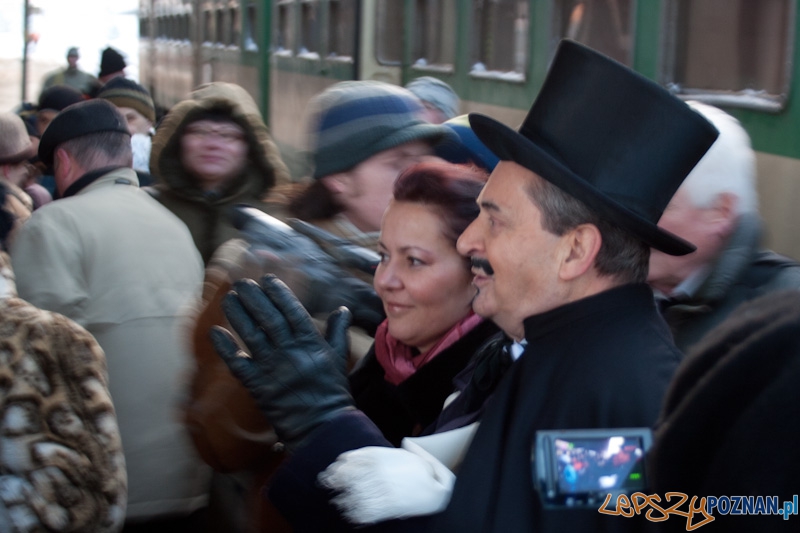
column 560, row 254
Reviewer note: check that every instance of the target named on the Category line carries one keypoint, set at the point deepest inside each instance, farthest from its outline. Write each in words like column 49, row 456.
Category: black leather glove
column 335, row 289
column 296, row 377
column 314, row 275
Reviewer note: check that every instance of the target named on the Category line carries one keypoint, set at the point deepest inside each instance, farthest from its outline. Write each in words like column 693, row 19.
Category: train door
column 381, row 41
column 401, row 37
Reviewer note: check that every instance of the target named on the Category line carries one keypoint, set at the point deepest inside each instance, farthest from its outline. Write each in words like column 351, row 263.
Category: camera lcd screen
column 586, row 465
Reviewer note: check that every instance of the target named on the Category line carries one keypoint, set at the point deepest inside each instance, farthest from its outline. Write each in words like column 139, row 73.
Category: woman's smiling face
column 425, row 285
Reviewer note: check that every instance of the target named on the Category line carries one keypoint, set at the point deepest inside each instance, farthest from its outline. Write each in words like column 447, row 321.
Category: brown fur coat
column 61, row 466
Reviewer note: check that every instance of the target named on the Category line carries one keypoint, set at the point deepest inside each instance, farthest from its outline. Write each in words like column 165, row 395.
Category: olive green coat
column 207, row 216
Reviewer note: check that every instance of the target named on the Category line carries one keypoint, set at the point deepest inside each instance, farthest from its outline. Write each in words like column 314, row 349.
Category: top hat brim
column 510, row 145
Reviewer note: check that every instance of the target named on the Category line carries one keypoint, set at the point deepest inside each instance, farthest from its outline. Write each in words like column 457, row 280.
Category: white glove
column 377, row 484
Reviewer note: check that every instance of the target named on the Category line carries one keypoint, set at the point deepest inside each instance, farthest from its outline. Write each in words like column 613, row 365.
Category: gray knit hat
column 437, row 93
column 354, row 120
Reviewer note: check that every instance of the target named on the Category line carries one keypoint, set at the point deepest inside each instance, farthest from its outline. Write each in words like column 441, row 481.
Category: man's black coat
column 601, row 362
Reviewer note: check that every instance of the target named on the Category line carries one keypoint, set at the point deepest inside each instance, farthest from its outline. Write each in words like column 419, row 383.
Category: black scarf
column 89, row 178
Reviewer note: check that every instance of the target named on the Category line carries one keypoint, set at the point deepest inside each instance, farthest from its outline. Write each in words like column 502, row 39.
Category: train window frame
column 310, row 30
column 208, row 26
column 384, row 18
column 336, row 33
column 747, row 98
column 234, row 21
column 480, row 37
column 176, row 34
column 251, row 38
column 186, row 25
column 557, row 22
column 422, row 21
column 144, row 26
column 221, row 33
column 284, row 29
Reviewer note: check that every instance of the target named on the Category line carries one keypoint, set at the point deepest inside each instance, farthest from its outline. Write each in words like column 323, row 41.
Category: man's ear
column 339, row 184
column 64, row 169
column 63, row 159
column 722, row 214
column 581, row 246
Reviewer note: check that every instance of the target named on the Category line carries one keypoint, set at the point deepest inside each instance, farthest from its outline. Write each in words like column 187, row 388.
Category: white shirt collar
column 516, row 349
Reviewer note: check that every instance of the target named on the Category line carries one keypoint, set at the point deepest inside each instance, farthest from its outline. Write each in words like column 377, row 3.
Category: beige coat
column 115, row 261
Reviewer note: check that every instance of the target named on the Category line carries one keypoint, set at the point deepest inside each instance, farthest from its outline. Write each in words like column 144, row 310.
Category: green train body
column 740, row 55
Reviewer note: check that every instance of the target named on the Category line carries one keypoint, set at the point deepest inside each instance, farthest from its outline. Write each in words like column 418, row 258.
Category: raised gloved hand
column 314, row 273
column 296, row 377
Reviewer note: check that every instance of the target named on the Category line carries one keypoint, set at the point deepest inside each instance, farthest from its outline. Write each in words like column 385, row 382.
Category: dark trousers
column 197, row 522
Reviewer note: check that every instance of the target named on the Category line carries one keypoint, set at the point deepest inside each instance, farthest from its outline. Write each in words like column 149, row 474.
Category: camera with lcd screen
column 580, row 468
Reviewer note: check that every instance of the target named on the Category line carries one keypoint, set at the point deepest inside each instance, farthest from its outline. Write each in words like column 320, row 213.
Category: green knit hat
column 123, row 92
column 354, row 120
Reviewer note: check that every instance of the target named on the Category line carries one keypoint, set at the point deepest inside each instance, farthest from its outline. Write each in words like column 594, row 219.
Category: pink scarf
column 399, row 361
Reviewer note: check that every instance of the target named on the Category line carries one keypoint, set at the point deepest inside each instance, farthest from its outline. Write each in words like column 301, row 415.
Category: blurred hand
column 295, row 375
column 316, row 277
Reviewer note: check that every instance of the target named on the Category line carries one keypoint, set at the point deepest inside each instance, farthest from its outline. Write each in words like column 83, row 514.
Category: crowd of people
column 167, row 368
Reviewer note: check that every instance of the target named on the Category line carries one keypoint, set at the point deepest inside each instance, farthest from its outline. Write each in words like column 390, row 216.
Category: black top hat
column 78, row 120
column 609, row 137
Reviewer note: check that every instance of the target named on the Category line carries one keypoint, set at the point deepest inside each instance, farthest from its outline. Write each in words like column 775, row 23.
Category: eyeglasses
column 227, row 135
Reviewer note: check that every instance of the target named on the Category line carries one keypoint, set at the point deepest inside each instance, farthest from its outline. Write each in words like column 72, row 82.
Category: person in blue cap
column 441, row 102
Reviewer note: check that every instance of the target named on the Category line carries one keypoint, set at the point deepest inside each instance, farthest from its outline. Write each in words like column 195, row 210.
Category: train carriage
column 737, row 54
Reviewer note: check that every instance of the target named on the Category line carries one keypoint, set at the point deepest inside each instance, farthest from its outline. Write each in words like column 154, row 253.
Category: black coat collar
column 86, row 180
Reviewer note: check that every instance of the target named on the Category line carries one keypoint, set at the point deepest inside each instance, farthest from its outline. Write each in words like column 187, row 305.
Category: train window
column 208, row 26
column 388, row 34
column 434, row 38
column 235, row 25
column 284, row 36
column 221, row 28
column 500, row 47
column 309, row 28
column 185, row 21
column 604, row 25
column 341, row 29
column 251, row 40
column 731, row 52
column 144, row 27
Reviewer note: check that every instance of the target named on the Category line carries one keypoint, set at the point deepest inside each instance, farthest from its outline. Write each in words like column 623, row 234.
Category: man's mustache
column 483, row 264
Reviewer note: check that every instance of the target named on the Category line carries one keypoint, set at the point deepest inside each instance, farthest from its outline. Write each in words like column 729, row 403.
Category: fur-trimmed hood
column 266, row 169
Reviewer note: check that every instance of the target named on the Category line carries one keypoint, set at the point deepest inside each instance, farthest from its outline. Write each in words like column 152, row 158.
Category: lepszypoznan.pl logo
column 698, row 511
